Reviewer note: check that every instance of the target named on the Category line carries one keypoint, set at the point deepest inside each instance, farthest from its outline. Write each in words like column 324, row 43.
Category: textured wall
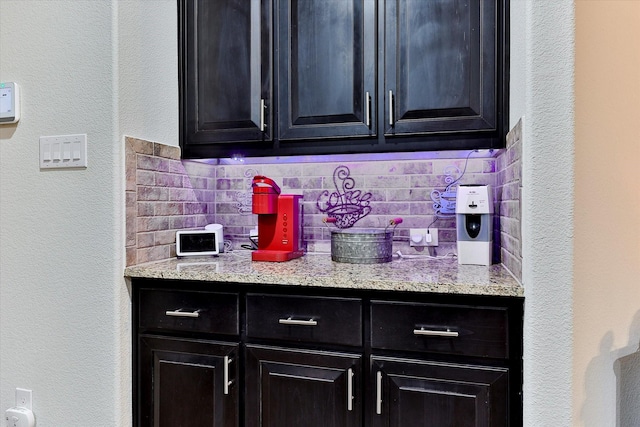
column 147, row 59
column 547, row 213
column 59, row 246
column 64, row 306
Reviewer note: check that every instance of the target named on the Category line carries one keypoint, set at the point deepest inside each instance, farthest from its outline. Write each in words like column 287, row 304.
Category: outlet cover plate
column 421, row 237
column 24, row 398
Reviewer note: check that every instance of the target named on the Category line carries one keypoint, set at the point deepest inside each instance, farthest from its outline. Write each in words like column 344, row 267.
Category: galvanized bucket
column 362, row 246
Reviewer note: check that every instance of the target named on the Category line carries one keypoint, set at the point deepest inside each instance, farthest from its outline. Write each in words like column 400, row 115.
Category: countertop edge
column 502, row 285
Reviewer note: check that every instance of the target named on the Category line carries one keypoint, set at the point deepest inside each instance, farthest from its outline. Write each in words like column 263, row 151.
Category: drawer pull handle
column 180, row 313
column 378, row 392
column 350, row 389
column 434, row 333
column 290, row 321
column 227, row 383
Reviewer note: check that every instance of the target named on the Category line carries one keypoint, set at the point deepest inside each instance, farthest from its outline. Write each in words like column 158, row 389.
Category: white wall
column 548, row 220
column 64, row 307
column 517, row 60
column 148, row 69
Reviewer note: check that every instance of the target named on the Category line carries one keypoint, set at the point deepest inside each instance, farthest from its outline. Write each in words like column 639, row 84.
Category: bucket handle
column 325, row 220
column 394, row 222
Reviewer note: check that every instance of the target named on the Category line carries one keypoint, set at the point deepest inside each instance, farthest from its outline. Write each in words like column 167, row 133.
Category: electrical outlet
column 420, row 237
column 23, row 398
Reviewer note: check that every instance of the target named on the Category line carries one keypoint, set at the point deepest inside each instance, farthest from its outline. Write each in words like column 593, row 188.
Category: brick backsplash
column 508, row 193
column 165, row 194
column 398, row 188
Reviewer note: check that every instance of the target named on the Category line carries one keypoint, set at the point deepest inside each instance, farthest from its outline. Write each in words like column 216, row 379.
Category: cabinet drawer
column 450, row 329
column 305, row 319
column 192, row 311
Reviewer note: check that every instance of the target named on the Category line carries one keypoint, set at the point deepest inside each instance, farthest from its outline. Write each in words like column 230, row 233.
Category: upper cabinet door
column 225, row 71
column 440, row 66
column 326, row 69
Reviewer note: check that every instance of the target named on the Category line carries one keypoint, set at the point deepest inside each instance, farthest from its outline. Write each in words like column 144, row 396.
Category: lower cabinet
column 293, row 387
column 188, row 383
column 252, row 356
column 418, row 393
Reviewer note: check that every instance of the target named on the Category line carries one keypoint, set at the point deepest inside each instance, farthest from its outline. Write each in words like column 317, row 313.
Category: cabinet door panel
column 227, row 70
column 182, row 383
column 428, row 394
column 440, row 66
column 326, row 68
column 297, row 388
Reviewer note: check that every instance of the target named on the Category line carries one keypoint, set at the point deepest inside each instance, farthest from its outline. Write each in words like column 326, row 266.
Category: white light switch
column 63, row 151
column 66, row 150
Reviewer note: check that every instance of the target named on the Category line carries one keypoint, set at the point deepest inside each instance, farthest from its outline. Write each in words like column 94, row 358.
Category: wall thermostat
column 196, row 242
column 9, row 102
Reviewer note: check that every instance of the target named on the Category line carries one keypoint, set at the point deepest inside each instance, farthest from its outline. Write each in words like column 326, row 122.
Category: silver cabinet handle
column 350, row 375
column 390, row 108
column 434, row 333
column 180, row 313
column 263, row 107
column 290, row 321
column 379, row 392
column 227, row 383
column 367, row 100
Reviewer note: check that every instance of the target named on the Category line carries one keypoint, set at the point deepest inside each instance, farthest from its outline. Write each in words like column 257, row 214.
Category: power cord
column 254, row 244
column 447, row 255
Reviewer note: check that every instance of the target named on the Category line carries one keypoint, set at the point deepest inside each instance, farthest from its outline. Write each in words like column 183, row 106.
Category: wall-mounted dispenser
column 474, row 224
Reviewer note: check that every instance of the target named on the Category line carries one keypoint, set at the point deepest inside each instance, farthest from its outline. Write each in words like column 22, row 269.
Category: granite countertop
column 318, row 270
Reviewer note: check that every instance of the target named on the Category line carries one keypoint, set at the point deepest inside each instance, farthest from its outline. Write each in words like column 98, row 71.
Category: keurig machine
column 279, row 222
column 474, row 224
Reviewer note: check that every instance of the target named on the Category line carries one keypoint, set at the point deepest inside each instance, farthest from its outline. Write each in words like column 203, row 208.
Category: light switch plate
column 63, row 151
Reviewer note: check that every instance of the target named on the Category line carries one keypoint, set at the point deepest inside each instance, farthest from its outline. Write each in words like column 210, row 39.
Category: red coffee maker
column 279, row 222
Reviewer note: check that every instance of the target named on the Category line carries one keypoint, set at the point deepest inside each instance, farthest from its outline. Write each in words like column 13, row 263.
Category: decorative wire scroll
column 444, row 202
column 244, row 200
column 346, row 205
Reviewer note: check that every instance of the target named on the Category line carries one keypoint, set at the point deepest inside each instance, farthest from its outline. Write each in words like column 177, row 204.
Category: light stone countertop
column 318, row 270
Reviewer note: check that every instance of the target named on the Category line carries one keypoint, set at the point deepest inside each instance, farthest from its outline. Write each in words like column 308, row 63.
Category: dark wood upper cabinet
column 440, row 68
column 305, row 77
column 326, row 68
column 226, row 68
